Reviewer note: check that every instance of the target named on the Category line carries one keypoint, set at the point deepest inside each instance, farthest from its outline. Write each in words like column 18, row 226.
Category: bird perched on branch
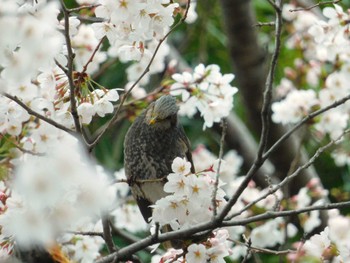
column 151, row 144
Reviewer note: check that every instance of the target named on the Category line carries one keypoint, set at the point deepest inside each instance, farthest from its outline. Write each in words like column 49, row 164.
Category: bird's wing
column 144, row 205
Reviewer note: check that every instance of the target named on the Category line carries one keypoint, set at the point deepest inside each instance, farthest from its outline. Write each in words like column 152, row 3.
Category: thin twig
column 306, row 119
column 143, row 181
column 248, row 253
column 146, row 70
column 264, row 116
column 88, row 233
column 90, row 19
column 265, row 111
column 291, row 176
column 38, row 115
column 69, row 72
column 273, row 214
column 92, row 55
column 125, row 252
column 132, row 239
column 313, row 6
column 261, row 24
column 20, row 147
column 26, row 151
column 264, row 250
column 61, row 67
column 77, row 9
column 273, row 4
column 221, row 153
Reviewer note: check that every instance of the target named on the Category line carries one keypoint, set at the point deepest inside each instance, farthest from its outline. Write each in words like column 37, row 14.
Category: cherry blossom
column 196, row 253
column 206, row 91
column 294, row 107
column 45, row 201
column 189, row 201
column 318, row 243
column 22, row 51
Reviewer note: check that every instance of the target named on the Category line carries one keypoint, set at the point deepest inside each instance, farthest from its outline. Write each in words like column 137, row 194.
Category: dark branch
column 38, row 115
column 69, row 73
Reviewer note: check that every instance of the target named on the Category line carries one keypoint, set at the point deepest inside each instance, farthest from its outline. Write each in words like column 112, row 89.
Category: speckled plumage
column 151, row 144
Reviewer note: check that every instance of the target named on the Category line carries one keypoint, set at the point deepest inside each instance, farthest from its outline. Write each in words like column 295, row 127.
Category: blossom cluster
column 330, row 244
column 188, row 202
column 214, row 249
column 134, row 29
column 52, row 193
column 320, row 76
column 206, row 90
column 23, row 51
column 129, row 25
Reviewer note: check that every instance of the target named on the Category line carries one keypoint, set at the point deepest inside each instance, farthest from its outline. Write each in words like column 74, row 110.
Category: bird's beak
column 152, row 121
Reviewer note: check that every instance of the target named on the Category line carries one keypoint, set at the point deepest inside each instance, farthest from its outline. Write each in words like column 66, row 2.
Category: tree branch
column 69, row 72
column 125, row 252
column 107, row 235
column 77, row 9
column 305, row 120
column 273, row 214
column 291, row 176
column 265, row 111
column 315, row 5
column 264, row 116
column 264, row 250
column 221, row 153
column 92, row 55
column 38, row 115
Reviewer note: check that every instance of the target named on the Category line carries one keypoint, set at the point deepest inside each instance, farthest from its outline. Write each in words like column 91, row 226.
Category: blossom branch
column 125, row 252
column 301, row 123
column 92, row 55
column 61, row 67
column 77, row 9
column 89, row 233
column 286, row 180
column 265, row 111
column 262, row 24
column 107, row 235
column 139, row 181
column 145, row 71
column 263, row 250
column 315, row 5
column 132, row 239
column 264, row 116
column 38, row 115
column 20, row 148
column 69, row 72
column 221, row 153
column 272, row 214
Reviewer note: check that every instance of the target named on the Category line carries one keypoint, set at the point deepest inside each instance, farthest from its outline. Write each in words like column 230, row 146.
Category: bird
column 152, row 142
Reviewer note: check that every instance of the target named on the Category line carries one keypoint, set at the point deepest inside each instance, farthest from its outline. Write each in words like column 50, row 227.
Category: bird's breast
column 150, row 153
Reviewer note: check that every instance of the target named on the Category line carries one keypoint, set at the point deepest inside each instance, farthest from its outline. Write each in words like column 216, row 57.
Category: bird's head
column 162, row 113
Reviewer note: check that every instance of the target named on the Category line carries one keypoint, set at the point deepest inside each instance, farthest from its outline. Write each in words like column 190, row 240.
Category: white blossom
column 196, row 253
column 317, row 244
column 294, row 107
column 51, row 192
column 206, row 91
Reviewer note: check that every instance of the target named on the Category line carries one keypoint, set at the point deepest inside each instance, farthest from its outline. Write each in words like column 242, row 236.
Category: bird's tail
column 175, row 243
